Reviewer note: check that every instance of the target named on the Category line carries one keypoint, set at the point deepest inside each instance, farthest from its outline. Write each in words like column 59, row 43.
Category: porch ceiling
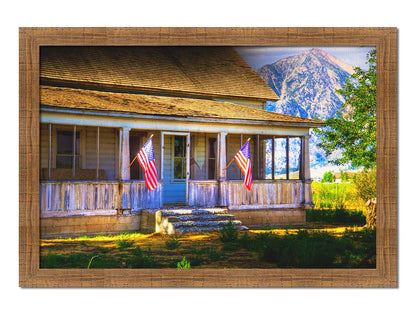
column 89, row 100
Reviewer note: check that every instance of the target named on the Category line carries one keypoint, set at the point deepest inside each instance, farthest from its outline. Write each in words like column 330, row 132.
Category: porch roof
column 187, row 71
column 158, row 106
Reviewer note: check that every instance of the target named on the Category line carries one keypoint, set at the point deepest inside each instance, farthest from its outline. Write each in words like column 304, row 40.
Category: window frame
column 287, row 150
column 82, row 138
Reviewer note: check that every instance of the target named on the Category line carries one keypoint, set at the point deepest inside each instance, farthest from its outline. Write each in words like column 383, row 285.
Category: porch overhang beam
column 169, row 124
column 188, row 119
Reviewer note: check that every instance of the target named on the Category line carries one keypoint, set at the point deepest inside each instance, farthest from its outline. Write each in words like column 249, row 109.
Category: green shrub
column 172, row 242
column 141, row 259
column 231, row 246
column 336, row 216
column 184, row 264
column 366, row 184
column 314, row 250
column 124, row 243
column 229, row 233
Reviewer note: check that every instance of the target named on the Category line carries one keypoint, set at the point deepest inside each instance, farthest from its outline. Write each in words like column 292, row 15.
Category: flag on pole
column 146, row 158
column 242, row 158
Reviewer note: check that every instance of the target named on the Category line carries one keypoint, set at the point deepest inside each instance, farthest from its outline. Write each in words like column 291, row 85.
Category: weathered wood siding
column 203, row 193
column 264, row 194
column 136, row 196
column 95, row 198
column 76, row 198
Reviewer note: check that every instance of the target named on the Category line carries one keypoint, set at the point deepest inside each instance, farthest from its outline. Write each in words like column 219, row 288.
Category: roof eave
column 312, row 124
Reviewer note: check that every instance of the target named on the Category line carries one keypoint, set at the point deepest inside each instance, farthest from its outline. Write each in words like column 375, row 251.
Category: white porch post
column 222, row 164
column 124, row 154
column 306, row 173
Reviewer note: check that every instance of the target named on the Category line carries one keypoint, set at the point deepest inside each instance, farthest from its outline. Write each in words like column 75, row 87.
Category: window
column 179, row 158
column 281, row 158
column 65, row 149
column 136, row 141
column 212, row 157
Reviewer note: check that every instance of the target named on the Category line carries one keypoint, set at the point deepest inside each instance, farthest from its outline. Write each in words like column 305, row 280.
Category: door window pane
column 179, row 158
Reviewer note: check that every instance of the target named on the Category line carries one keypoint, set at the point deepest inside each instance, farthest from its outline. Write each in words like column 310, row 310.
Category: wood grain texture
column 385, row 40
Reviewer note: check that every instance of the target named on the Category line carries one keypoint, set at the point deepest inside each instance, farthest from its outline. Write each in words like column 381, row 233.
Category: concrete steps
column 186, row 219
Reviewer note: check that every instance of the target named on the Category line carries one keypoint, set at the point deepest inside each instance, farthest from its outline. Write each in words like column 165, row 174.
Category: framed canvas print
column 208, row 157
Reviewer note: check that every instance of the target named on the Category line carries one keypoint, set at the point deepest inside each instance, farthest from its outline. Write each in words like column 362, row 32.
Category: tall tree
column 353, row 130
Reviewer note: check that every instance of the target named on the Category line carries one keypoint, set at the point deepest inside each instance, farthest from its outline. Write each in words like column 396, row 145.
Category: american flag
column 146, row 158
column 242, row 158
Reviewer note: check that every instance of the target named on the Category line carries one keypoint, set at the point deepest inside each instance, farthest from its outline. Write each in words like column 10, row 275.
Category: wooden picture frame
column 385, row 273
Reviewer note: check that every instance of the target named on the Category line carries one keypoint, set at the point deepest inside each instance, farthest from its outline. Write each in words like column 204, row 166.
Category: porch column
column 124, row 154
column 306, row 166
column 222, row 174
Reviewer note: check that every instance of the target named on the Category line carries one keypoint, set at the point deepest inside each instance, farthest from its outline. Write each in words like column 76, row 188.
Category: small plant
column 231, row 246
column 184, row 264
column 213, row 254
column 142, row 259
column 92, row 258
column 124, row 243
column 229, row 233
column 172, row 242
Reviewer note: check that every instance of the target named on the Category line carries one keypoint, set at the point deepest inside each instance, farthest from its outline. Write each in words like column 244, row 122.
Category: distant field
column 336, row 195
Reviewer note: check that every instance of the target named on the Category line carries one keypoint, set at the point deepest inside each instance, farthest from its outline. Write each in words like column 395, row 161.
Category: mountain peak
column 307, row 83
column 331, row 59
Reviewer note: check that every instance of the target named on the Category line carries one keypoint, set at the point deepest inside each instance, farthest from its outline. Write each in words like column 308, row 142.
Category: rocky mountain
column 306, row 84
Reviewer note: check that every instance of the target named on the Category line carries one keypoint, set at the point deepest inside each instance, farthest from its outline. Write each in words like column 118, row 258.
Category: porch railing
column 77, row 198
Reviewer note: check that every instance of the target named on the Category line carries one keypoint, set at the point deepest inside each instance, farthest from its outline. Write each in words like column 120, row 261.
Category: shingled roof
column 160, row 106
column 204, row 72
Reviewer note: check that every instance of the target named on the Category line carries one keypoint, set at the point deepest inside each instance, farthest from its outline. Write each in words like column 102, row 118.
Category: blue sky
column 259, row 56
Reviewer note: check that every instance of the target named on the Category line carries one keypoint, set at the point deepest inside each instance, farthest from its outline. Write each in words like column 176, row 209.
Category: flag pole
column 131, row 164
column 233, row 158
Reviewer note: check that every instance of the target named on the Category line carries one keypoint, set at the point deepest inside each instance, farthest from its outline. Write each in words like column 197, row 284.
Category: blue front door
column 175, row 169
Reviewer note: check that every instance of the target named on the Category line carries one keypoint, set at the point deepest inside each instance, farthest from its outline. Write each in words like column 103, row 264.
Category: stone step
column 188, row 219
column 205, row 217
column 207, row 229
column 190, row 211
column 194, row 224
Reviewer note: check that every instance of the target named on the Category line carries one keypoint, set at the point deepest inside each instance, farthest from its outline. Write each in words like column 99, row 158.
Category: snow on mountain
column 306, row 84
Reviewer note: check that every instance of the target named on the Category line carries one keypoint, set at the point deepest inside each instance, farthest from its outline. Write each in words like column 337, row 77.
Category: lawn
column 314, row 245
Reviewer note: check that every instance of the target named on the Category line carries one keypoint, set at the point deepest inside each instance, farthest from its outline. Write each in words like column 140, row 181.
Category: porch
column 86, row 168
column 84, row 172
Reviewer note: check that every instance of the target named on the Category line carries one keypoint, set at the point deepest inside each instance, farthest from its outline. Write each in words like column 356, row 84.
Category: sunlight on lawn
column 335, row 231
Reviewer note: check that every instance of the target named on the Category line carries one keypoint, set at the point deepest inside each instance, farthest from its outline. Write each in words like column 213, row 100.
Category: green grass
column 336, row 195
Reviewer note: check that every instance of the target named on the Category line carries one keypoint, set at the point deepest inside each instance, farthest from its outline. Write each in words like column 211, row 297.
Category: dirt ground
column 203, row 250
